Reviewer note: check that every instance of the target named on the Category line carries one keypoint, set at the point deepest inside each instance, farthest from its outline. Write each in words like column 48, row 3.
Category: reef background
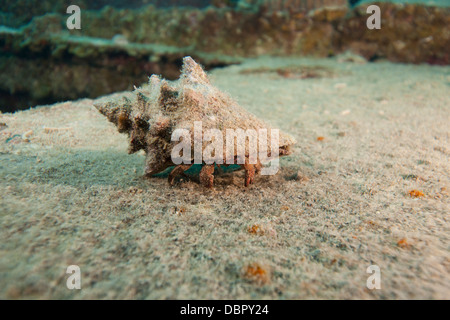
column 42, row 62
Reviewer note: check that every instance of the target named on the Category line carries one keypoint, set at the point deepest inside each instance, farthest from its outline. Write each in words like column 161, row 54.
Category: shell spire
column 193, row 73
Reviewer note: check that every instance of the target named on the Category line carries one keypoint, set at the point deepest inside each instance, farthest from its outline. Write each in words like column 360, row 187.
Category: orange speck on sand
column 372, row 224
column 285, row 208
column 416, row 193
column 254, row 229
column 320, row 138
column 403, row 243
column 256, row 273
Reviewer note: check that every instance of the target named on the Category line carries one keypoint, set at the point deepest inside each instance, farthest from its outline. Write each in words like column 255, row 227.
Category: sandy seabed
column 368, row 134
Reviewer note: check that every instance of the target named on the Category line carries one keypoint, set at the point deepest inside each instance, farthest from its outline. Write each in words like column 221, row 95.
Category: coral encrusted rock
column 201, row 116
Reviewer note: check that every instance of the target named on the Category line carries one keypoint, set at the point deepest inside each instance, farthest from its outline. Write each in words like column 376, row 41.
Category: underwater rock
column 349, row 56
column 410, row 33
column 291, row 5
column 155, row 112
column 43, row 63
column 44, row 69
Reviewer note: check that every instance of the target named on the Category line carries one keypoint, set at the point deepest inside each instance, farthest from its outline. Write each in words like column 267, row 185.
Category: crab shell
column 157, row 109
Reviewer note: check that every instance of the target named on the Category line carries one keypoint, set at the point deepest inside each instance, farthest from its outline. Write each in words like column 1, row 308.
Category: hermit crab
column 176, row 122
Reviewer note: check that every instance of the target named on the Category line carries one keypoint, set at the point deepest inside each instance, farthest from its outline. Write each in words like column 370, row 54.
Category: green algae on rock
column 152, row 114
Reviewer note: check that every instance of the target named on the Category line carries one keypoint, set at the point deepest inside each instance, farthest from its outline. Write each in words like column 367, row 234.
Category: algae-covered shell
column 156, row 110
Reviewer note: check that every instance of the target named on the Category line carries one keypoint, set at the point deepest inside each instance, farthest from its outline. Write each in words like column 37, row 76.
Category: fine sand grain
column 368, row 135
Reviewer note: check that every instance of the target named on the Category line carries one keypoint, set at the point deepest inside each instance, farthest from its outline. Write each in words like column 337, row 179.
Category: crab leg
column 258, row 167
column 250, row 170
column 207, row 175
column 178, row 170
